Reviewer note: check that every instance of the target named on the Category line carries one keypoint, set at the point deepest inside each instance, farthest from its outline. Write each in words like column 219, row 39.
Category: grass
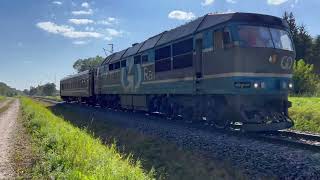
column 2, row 98
column 67, row 152
column 169, row 160
column 55, row 98
column 6, row 106
column 305, row 112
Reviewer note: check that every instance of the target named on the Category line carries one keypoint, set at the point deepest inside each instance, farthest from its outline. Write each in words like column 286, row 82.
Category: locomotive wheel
column 223, row 119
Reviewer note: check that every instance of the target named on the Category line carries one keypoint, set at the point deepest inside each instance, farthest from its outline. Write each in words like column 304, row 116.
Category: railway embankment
column 247, row 157
column 66, row 152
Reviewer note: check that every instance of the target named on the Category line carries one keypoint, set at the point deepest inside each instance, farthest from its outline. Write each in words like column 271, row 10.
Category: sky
column 41, row 39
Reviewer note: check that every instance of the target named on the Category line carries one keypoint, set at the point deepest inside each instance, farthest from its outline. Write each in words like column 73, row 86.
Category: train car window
column 163, row 65
column 163, row 53
column 111, row 67
column 144, row 59
column 123, row 63
column 137, row 59
column 218, row 39
column 182, row 61
column 207, row 40
column 227, row 41
column 255, row 36
column 182, row 47
column 117, row 65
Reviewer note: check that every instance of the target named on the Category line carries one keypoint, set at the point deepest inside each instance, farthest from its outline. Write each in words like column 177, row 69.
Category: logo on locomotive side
column 286, row 62
column 131, row 76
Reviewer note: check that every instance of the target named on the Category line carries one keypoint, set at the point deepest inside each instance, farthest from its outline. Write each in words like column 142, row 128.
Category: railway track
column 292, row 138
column 284, row 137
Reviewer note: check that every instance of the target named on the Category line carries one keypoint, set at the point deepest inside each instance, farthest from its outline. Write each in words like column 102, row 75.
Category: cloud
column 66, row 31
column 81, row 21
column 276, row 2
column 108, row 38
column 87, row 28
column 181, row 15
column 85, row 5
column 57, row 2
column 114, row 33
column 231, row 1
column 82, row 12
column 207, row 2
column 109, row 21
column 80, row 42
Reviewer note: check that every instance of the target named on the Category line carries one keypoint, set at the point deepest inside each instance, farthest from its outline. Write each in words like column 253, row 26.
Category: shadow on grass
column 169, row 160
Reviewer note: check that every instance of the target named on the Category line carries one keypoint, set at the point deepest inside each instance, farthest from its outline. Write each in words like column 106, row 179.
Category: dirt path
column 8, row 122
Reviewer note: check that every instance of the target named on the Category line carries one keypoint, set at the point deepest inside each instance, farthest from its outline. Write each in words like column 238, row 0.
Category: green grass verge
column 2, row 98
column 305, row 112
column 55, row 98
column 66, row 152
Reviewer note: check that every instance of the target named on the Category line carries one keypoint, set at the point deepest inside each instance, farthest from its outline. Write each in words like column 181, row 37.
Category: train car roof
column 197, row 25
column 75, row 75
column 151, row 42
column 133, row 50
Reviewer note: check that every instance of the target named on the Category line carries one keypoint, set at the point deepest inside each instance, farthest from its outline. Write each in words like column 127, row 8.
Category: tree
column 85, row 64
column 33, row 91
column 49, row 89
column 301, row 38
column 315, row 56
column 304, row 78
column 26, row 91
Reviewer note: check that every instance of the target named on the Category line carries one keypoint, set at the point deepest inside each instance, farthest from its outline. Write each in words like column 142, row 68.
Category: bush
column 304, row 79
column 305, row 113
column 66, row 152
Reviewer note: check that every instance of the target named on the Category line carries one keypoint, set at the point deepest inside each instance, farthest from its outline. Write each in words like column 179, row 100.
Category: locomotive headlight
column 290, row 85
column 256, row 85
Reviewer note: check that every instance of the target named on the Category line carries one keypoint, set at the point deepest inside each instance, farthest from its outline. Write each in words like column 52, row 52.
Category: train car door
column 198, row 62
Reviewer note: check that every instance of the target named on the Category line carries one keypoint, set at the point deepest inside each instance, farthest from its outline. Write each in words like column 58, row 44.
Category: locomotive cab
column 253, row 60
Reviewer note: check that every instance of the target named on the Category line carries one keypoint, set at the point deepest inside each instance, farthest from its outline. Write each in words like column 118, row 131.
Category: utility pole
column 106, row 50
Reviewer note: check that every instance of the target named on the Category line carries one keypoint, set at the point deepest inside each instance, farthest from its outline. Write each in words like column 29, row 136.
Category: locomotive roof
column 197, row 25
column 75, row 75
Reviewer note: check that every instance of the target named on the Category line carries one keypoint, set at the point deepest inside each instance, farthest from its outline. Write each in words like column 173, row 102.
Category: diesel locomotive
column 229, row 70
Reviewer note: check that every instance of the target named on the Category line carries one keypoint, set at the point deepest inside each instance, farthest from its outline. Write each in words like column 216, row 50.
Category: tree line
column 5, row 90
column 307, row 47
column 48, row 89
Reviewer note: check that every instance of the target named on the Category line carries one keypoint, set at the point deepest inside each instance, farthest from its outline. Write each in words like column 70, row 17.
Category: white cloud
column 82, row 12
column 114, row 33
column 108, row 38
column 85, row 5
column 87, row 28
column 109, row 21
column 276, row 2
column 207, row 2
column 66, row 31
column 231, row 1
column 57, row 2
column 81, row 21
column 80, row 42
column 181, row 15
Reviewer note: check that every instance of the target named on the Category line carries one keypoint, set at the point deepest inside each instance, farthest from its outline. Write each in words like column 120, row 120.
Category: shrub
column 304, row 79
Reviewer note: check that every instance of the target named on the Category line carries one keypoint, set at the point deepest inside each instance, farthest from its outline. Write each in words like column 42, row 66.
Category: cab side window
column 218, row 39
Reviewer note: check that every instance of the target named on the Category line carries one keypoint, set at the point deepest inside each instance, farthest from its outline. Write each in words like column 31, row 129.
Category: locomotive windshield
column 259, row 36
